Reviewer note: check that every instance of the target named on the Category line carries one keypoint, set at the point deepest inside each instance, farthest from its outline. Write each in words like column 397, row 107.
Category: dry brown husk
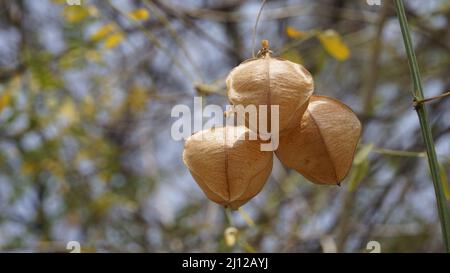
column 272, row 81
column 228, row 167
column 322, row 147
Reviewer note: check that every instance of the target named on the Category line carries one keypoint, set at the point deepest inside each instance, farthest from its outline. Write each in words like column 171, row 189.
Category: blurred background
column 86, row 154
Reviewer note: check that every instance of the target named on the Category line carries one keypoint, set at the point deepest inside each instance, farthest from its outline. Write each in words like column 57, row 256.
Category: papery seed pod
column 272, row 81
column 228, row 166
column 322, row 147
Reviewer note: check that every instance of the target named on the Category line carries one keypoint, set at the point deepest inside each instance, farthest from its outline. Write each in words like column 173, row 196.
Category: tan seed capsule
column 272, row 81
column 228, row 166
column 323, row 146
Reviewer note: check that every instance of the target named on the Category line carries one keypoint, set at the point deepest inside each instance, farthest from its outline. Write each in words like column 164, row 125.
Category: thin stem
column 399, row 153
column 425, row 126
column 255, row 28
column 246, row 217
column 229, row 217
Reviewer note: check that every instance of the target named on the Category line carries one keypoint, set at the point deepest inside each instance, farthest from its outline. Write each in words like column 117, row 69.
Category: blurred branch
column 218, row 14
column 157, row 43
column 6, row 75
column 173, row 32
column 191, row 24
column 399, row 153
column 372, row 74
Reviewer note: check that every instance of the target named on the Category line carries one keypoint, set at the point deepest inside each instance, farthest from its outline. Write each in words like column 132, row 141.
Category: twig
column 419, row 102
column 399, row 153
column 425, row 126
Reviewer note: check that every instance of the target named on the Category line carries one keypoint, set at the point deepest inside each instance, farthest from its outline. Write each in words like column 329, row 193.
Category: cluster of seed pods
column 318, row 134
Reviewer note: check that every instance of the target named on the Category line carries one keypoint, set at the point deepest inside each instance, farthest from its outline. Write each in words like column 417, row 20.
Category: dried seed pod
column 272, row 81
column 228, row 166
column 322, row 147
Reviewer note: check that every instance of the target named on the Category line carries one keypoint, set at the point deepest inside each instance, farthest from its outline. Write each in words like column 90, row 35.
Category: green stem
column 399, row 153
column 229, row 217
column 424, row 125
